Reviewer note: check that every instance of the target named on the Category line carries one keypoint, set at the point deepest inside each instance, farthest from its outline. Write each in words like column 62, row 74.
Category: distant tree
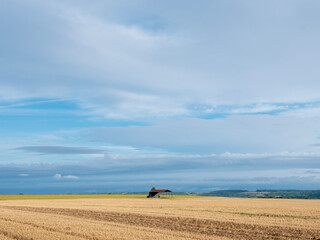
column 152, row 189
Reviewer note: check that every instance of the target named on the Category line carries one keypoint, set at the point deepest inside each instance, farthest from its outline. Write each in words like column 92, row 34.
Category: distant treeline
column 263, row 193
column 300, row 194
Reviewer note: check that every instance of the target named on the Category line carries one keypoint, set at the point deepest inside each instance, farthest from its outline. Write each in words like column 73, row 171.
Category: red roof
column 160, row 190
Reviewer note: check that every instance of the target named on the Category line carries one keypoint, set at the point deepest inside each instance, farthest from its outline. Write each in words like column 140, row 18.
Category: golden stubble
column 176, row 218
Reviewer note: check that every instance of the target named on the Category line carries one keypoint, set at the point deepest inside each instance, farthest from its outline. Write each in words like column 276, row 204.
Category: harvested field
column 176, row 218
column 76, row 196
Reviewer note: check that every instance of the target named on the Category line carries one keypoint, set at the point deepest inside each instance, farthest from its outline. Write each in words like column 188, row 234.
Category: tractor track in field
column 48, row 229
column 184, row 224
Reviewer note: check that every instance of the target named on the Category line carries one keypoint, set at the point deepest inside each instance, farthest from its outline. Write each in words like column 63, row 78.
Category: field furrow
column 5, row 237
column 40, row 228
column 20, row 230
column 183, row 224
column 55, row 226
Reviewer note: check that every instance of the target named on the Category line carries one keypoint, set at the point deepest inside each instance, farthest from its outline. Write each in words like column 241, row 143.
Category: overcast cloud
column 104, row 91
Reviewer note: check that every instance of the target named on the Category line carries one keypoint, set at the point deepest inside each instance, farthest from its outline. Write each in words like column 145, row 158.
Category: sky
column 121, row 96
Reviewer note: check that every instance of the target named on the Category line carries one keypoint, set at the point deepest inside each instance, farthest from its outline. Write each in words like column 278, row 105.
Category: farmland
column 134, row 217
column 68, row 196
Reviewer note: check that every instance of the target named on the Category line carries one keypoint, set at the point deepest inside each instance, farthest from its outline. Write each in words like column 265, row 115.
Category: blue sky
column 113, row 96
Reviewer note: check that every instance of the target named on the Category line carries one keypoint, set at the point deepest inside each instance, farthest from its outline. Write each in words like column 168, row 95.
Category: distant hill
column 300, row 194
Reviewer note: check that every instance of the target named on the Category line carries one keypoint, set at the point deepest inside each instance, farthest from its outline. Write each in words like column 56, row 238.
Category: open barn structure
column 155, row 193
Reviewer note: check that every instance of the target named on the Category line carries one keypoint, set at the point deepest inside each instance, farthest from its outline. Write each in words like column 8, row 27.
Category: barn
column 155, row 193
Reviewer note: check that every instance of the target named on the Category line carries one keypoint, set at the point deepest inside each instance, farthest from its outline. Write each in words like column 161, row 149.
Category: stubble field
column 174, row 218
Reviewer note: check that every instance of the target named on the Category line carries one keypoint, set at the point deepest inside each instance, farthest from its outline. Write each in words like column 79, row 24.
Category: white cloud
column 71, row 177
column 259, row 108
column 264, row 155
column 120, row 68
column 59, row 176
column 23, row 175
column 241, row 134
column 306, row 112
